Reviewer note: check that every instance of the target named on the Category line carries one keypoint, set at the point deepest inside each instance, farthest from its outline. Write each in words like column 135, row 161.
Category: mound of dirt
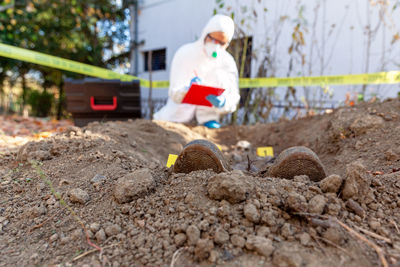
column 102, row 196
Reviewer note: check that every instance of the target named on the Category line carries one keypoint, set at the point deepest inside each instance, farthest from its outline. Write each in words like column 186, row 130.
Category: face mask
column 212, row 50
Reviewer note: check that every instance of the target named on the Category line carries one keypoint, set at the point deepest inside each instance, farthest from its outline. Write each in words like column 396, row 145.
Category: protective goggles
column 216, row 41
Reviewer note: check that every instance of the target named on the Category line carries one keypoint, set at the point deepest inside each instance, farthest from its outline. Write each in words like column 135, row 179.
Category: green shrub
column 41, row 103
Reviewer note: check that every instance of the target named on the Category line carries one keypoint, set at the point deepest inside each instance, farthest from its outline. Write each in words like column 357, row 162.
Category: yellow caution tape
column 171, row 160
column 391, row 77
column 219, row 147
column 267, row 151
column 61, row 63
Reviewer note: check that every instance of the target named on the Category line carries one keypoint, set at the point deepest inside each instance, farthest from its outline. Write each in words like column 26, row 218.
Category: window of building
column 158, row 59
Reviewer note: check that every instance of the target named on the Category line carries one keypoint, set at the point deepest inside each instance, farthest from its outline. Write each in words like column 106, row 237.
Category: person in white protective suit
column 206, row 62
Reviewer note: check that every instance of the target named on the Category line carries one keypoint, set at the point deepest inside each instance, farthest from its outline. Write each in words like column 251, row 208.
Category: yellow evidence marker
column 266, row 151
column 171, row 160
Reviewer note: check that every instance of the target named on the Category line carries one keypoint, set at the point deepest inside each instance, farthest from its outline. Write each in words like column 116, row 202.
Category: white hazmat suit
column 191, row 60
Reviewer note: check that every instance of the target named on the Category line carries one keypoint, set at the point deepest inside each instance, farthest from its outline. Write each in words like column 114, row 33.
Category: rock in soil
column 221, row 236
column 234, row 187
column 334, row 235
column 133, row 185
column 193, row 234
column 296, row 202
column 261, row 245
column 317, row 204
column 100, row 235
column 331, row 184
column 251, row 213
column 203, row 249
column 180, row 239
column 78, row 195
column 357, row 183
column 238, row 241
column 355, row 207
column 112, row 230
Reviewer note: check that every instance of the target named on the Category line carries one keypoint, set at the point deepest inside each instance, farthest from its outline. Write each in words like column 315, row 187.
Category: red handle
column 103, row 107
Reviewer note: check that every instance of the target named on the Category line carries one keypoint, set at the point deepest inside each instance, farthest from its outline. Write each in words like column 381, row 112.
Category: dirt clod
column 357, row 183
column 78, row 195
column 251, row 213
column 221, row 236
column 238, row 241
column 304, row 238
column 355, row 207
column 331, row 184
column 38, row 211
column 100, row 235
column 296, row 202
column 203, row 249
column 180, row 239
column 193, row 234
column 261, row 245
column 112, row 229
column 263, row 231
column 317, row 204
column 334, row 235
column 94, row 227
column 133, row 185
column 233, row 187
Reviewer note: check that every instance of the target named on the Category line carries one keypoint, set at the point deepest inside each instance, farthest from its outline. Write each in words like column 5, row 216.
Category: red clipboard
column 197, row 94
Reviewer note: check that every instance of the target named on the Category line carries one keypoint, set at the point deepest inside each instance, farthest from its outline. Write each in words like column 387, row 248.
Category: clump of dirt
column 101, row 195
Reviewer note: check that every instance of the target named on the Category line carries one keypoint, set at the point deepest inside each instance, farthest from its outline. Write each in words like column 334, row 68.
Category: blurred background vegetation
column 86, row 31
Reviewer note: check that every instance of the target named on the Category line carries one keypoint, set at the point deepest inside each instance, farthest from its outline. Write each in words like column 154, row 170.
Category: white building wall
column 339, row 36
column 169, row 24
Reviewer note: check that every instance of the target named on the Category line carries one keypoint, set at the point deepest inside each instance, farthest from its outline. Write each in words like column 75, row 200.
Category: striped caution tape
column 61, row 63
column 391, row 77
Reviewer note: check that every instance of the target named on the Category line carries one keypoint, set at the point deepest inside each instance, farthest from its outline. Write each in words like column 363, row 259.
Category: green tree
column 78, row 30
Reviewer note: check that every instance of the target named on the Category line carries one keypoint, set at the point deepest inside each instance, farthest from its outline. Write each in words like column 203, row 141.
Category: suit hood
column 219, row 23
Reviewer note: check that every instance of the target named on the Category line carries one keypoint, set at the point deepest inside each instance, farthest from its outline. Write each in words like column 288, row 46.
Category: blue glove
column 216, row 101
column 195, row 80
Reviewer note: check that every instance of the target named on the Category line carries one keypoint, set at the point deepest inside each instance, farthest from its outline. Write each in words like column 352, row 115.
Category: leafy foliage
column 41, row 103
column 79, row 30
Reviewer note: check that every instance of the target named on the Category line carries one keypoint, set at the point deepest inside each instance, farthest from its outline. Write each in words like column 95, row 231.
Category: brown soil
column 105, row 187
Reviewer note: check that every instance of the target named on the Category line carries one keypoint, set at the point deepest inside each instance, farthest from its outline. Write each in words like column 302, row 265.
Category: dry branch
column 41, row 224
column 395, row 225
column 90, row 252
column 374, row 235
column 334, row 245
column 363, row 238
